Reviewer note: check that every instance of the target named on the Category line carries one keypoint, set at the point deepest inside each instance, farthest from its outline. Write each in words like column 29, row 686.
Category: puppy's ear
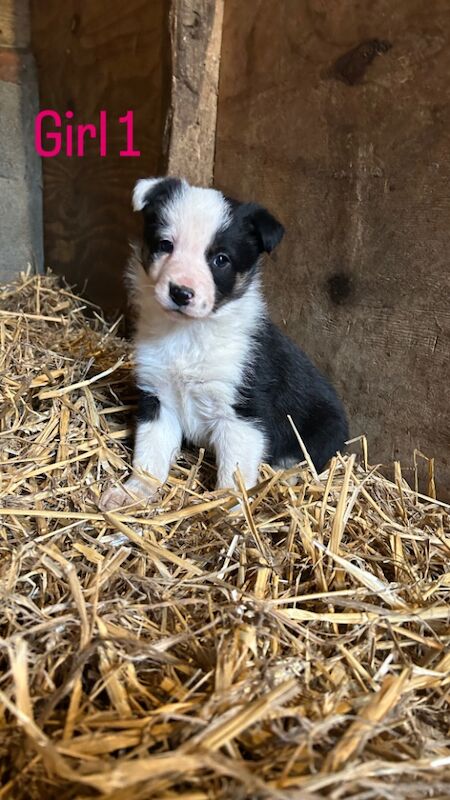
column 142, row 190
column 149, row 191
column 268, row 230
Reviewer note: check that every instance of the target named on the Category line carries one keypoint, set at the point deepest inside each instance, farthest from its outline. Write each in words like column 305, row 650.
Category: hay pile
column 299, row 650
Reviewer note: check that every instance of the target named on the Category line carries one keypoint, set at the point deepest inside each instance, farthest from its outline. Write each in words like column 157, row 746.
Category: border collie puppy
column 211, row 367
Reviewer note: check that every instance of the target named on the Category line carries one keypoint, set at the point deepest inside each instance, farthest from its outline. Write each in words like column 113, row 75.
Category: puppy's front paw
column 131, row 492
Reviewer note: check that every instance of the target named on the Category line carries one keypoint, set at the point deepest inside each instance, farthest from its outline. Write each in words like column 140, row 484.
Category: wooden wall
column 20, row 168
column 336, row 115
column 97, row 55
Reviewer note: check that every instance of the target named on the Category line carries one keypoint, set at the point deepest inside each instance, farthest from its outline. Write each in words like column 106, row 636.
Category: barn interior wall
column 337, row 117
column 101, row 55
column 20, row 169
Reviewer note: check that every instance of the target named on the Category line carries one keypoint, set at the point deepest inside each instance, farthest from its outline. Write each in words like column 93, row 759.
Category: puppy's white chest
column 197, row 385
column 203, row 395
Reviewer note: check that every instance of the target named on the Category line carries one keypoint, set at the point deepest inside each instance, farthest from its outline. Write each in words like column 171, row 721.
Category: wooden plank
column 112, row 56
column 196, row 34
column 14, row 23
column 337, row 116
column 20, row 173
column 11, row 65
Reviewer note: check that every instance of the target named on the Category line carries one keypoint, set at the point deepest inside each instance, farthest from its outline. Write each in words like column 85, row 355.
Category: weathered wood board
column 337, row 116
column 93, row 56
column 196, row 32
column 20, row 168
column 14, row 23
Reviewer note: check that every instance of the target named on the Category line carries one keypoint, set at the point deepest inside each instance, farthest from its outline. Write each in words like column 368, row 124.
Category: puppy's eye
column 165, row 246
column 221, row 260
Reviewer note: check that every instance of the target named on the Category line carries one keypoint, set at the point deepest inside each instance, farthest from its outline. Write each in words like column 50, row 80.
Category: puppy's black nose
column 181, row 295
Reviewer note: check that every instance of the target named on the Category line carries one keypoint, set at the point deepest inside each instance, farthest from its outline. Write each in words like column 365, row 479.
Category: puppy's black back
column 281, row 380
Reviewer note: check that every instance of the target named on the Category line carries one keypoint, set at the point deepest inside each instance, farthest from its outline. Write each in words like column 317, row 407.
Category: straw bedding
column 298, row 648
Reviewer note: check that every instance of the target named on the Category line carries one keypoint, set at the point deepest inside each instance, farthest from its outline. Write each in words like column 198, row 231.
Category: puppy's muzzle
column 181, row 295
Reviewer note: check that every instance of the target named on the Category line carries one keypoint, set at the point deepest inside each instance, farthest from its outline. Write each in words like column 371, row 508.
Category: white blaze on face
column 190, row 220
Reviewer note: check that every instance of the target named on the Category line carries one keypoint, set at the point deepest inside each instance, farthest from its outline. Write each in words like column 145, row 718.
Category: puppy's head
column 201, row 249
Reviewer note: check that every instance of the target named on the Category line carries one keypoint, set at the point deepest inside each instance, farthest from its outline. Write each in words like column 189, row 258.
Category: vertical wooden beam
column 14, row 23
column 20, row 168
column 196, row 36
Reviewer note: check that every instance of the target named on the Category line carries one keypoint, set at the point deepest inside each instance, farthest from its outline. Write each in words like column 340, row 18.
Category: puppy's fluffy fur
column 211, row 366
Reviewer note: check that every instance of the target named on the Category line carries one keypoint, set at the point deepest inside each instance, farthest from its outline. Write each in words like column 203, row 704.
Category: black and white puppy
column 211, row 367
